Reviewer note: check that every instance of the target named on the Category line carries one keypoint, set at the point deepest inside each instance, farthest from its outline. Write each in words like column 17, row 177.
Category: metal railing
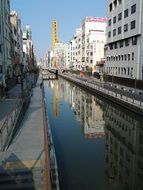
column 100, row 88
column 8, row 123
column 11, row 119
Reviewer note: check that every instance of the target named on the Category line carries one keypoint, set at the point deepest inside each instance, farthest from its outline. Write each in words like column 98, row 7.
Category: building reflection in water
column 86, row 109
column 123, row 133
column 124, row 148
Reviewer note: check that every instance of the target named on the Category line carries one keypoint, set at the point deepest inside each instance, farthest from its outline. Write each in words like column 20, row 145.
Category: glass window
column 126, row 13
column 109, row 22
column 133, row 8
column 114, row 32
column 121, row 43
column 109, row 34
column 110, row 7
column 134, row 40
column 119, row 16
column 133, row 24
column 119, row 30
column 127, row 42
column 125, row 27
column 114, row 19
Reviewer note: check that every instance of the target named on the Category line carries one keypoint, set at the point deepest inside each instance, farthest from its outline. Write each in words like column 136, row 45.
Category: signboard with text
column 96, row 19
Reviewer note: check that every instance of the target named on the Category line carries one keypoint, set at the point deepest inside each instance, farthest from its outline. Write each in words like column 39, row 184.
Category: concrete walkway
column 27, row 148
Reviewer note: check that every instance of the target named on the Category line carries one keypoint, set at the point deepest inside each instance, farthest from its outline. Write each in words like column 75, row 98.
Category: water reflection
column 122, row 131
column 124, row 148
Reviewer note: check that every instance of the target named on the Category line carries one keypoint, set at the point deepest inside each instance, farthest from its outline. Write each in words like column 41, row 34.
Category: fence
column 8, row 127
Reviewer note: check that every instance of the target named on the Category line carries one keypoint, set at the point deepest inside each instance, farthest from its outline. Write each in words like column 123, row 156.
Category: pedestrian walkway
column 26, row 152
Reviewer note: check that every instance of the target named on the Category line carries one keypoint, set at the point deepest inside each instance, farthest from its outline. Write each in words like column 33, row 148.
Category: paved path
column 27, row 147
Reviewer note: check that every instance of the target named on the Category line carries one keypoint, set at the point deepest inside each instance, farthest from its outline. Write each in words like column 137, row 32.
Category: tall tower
column 54, row 33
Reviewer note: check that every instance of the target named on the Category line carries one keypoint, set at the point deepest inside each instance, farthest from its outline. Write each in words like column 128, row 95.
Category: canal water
column 98, row 145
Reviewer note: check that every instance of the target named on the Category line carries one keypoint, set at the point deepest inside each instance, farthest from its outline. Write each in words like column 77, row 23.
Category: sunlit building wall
column 125, row 39
column 92, row 25
column 16, row 43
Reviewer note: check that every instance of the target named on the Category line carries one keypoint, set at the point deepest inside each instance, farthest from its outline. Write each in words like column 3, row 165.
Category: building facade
column 16, row 43
column 124, row 48
column 93, row 33
column 5, row 46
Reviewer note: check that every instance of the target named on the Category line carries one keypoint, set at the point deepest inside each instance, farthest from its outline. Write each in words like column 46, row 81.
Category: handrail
column 46, row 147
column 6, row 128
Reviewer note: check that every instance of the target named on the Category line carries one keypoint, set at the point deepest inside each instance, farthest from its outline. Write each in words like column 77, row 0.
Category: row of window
column 120, row 70
column 114, row 5
column 126, row 14
column 124, row 43
column 125, row 57
column 126, row 28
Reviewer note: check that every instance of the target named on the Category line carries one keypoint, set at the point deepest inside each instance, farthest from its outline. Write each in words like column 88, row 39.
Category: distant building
column 93, row 40
column 28, row 51
column 124, row 55
column 16, row 43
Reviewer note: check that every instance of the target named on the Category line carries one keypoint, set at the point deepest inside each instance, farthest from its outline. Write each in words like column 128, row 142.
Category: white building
column 61, row 56
column 28, row 49
column 124, row 55
column 93, row 35
column 95, row 50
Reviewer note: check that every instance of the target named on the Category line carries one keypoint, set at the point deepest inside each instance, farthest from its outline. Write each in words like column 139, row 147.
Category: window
column 116, row 45
column 119, row 16
column 133, row 24
column 110, row 7
column 121, row 43
column 119, row 30
column 126, row 13
column 109, row 34
column 125, row 27
column 114, row 32
column 109, row 22
column 127, row 42
column 132, row 56
column 0, row 68
column 114, row 19
column 115, row 3
column 119, row 1
column 133, row 8
column 128, row 57
column 134, row 40
column 125, row 57
column 111, row 46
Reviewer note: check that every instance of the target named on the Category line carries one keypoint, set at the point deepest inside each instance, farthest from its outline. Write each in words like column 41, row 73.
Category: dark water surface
column 98, row 145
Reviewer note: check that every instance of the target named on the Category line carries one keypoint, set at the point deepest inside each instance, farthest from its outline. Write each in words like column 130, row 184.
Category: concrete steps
column 22, row 179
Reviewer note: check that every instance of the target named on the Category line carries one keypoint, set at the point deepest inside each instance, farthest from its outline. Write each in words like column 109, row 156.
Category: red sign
column 96, row 19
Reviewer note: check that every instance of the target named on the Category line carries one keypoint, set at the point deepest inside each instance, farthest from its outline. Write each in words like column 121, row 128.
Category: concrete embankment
column 117, row 98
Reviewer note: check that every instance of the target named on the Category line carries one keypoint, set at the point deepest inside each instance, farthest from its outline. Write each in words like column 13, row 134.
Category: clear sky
column 39, row 14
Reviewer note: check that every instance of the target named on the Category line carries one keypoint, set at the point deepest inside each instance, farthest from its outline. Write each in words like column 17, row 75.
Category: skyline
column 39, row 16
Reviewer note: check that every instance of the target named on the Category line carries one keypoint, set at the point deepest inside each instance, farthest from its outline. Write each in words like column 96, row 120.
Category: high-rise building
column 124, row 49
column 54, row 33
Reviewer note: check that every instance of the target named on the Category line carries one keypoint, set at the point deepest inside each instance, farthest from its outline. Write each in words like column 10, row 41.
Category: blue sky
column 39, row 14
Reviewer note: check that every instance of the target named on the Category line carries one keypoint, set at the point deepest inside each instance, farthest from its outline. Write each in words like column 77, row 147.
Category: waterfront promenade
column 124, row 98
column 23, row 163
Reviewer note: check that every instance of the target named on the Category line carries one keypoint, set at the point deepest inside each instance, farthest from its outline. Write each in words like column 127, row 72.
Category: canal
column 98, row 145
